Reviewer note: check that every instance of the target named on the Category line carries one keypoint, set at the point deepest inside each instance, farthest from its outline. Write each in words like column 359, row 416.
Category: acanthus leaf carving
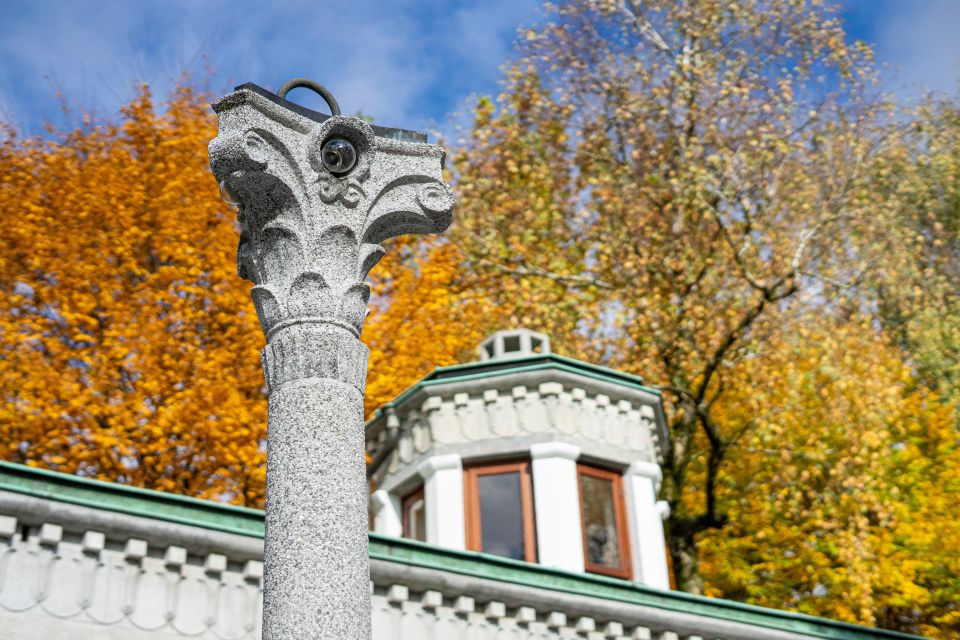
column 310, row 236
column 311, row 296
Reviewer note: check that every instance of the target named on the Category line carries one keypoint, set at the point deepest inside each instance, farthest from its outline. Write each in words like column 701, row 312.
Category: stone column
column 316, row 197
column 443, row 501
column 646, row 524
column 557, row 497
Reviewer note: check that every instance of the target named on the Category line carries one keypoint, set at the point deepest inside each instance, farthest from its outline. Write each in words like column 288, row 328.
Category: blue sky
column 410, row 63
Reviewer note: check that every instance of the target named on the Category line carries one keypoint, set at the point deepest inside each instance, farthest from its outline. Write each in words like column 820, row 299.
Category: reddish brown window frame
column 417, row 494
column 472, row 504
column 620, row 516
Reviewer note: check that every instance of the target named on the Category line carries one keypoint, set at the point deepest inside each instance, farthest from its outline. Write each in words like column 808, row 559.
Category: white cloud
column 406, row 62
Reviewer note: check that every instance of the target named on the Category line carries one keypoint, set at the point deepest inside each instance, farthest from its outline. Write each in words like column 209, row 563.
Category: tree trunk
column 686, row 563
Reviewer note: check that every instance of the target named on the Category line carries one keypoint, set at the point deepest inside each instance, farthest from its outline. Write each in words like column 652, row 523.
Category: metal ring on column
column 316, row 87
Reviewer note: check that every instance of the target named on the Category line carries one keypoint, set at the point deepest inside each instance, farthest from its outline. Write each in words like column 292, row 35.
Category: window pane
column 600, row 522
column 511, row 344
column 416, row 520
column 501, row 514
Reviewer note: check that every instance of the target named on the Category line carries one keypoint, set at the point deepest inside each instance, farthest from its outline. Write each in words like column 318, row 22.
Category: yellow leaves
column 849, row 486
column 688, row 211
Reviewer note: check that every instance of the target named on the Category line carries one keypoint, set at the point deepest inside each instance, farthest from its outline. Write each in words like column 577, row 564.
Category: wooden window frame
column 620, row 518
column 416, row 494
column 472, row 504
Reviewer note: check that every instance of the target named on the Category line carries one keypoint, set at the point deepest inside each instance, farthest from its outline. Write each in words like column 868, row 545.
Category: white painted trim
column 645, row 515
column 647, row 469
column 557, row 505
column 553, row 608
column 387, row 516
column 443, row 498
column 555, row 450
column 432, row 465
column 663, row 507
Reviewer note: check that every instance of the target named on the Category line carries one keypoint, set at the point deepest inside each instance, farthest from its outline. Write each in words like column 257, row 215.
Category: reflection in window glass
column 599, row 522
column 415, row 518
column 501, row 514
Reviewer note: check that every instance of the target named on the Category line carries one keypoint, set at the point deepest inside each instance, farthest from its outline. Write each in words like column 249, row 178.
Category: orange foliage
column 129, row 348
column 422, row 317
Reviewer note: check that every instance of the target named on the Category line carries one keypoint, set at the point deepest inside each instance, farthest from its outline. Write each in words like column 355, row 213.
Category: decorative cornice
column 439, row 463
column 646, row 470
column 554, row 449
column 663, row 508
column 379, row 499
column 309, row 235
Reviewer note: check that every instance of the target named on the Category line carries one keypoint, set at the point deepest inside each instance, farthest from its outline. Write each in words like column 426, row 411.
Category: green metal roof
column 61, row 487
column 481, row 565
column 509, row 364
column 538, row 362
column 110, row 496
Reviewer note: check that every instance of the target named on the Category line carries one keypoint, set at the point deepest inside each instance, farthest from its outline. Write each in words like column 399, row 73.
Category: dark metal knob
column 339, row 155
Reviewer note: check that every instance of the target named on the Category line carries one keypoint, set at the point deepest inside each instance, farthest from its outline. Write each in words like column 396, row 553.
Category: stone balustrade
column 92, row 560
column 70, row 578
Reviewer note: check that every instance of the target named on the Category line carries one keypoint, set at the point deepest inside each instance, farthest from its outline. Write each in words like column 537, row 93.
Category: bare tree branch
column 634, row 9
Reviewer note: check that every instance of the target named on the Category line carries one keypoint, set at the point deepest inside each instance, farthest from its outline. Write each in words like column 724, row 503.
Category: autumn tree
column 129, row 348
column 662, row 180
column 424, row 315
column 917, row 286
column 839, row 499
column 705, row 193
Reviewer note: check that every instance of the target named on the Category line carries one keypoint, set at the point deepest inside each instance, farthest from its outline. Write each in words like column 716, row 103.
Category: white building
column 515, row 499
column 529, row 456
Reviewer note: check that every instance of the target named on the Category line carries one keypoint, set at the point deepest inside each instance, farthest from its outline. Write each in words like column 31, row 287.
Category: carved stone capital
column 309, row 236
